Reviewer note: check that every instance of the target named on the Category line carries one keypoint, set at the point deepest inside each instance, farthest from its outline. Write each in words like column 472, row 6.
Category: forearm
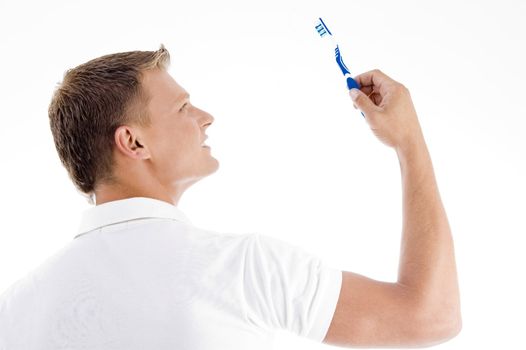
column 427, row 260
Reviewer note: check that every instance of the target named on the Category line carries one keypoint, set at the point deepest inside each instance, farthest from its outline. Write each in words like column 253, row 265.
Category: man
column 139, row 275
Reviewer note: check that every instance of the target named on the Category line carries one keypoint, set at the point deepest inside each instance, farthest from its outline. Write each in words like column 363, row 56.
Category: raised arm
column 423, row 307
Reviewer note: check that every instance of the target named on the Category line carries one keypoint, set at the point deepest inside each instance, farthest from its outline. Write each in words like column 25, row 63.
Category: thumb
column 362, row 101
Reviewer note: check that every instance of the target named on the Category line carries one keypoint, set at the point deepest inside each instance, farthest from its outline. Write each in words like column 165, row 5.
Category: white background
column 297, row 161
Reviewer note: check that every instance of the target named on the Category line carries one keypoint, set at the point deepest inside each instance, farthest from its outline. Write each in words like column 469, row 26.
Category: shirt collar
column 128, row 209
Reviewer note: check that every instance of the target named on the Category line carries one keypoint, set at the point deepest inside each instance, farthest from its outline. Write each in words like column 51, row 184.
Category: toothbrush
column 324, row 31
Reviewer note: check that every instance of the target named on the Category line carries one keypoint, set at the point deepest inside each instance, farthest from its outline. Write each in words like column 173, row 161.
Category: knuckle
column 400, row 87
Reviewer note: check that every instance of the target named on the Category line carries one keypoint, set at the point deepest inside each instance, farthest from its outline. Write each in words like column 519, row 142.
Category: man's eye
column 183, row 107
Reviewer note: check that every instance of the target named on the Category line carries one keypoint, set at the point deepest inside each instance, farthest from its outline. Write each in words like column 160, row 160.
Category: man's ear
column 128, row 141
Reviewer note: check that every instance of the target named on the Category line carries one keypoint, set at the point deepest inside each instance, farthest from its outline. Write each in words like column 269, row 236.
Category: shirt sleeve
column 287, row 288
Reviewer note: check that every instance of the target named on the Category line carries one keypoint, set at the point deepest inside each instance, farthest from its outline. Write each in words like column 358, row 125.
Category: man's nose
column 206, row 118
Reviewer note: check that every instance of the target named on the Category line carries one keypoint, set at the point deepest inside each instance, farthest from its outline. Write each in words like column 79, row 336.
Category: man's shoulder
column 20, row 294
column 221, row 238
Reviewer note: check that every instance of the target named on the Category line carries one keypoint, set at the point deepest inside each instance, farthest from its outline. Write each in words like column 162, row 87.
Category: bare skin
column 423, row 307
column 165, row 159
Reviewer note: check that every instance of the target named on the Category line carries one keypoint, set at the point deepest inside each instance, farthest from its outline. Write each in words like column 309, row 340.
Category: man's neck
column 107, row 194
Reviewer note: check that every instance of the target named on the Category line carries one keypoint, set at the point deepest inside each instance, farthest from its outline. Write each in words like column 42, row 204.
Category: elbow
column 457, row 326
column 445, row 334
column 454, row 328
column 440, row 329
column 438, row 319
column 451, row 329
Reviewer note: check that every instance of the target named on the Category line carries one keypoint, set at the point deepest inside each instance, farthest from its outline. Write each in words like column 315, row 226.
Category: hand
column 388, row 109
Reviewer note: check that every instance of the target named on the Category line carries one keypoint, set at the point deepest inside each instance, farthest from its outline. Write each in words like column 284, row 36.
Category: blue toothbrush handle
column 351, row 84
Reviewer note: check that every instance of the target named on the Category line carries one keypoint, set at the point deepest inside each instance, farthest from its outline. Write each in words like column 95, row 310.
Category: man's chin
column 216, row 166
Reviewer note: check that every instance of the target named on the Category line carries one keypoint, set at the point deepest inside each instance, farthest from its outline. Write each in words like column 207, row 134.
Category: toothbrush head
column 322, row 28
column 324, row 31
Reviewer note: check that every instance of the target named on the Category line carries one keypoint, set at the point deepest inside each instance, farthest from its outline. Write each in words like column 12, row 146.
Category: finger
column 377, row 98
column 362, row 102
column 367, row 89
column 372, row 94
column 377, row 79
column 373, row 77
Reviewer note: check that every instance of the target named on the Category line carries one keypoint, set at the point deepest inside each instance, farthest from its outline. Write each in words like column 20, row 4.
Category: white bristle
column 324, row 33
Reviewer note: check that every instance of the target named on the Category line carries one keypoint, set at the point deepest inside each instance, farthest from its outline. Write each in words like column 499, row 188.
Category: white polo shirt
column 139, row 275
